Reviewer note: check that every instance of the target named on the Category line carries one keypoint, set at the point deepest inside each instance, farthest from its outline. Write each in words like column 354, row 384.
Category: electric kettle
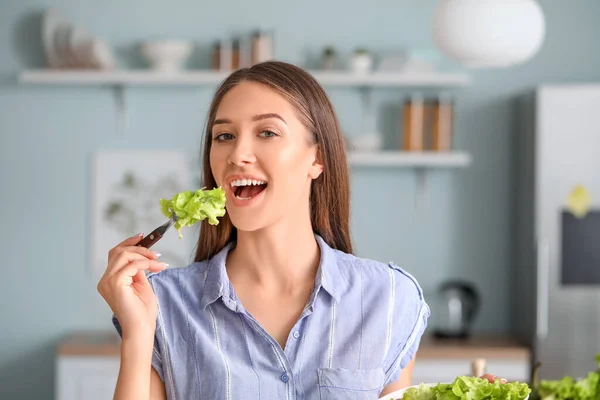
column 456, row 308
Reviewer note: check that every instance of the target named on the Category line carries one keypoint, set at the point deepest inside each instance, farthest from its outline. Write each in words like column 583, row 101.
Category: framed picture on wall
column 127, row 187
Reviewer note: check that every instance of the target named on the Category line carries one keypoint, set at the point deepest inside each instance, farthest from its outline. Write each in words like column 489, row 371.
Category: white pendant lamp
column 489, row 33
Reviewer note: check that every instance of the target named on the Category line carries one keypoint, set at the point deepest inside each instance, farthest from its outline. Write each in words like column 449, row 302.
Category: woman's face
column 261, row 155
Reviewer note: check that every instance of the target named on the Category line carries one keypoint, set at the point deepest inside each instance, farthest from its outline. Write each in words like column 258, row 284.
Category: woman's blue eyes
column 223, row 136
column 228, row 136
column 270, row 134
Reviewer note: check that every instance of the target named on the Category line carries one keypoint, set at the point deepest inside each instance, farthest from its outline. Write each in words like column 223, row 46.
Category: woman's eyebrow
column 268, row 115
column 255, row 118
column 221, row 121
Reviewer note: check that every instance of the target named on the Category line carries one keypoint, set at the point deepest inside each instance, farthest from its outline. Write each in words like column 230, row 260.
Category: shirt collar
column 217, row 284
column 329, row 276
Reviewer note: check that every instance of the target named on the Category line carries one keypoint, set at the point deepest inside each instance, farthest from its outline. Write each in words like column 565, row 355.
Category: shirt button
column 296, row 335
column 285, row 377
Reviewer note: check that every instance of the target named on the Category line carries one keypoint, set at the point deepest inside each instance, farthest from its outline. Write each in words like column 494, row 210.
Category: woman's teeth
column 246, row 182
column 240, row 183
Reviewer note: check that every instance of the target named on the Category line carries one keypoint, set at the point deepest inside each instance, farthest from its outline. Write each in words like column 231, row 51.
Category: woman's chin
column 247, row 223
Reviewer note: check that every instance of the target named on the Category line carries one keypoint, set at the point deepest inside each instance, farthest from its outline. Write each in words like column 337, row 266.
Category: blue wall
column 48, row 135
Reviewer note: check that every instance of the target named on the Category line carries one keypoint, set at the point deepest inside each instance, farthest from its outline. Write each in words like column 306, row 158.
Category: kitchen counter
column 107, row 344
column 499, row 347
column 88, row 362
column 92, row 344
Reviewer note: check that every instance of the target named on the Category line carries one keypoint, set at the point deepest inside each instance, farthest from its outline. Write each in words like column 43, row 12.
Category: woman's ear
column 316, row 169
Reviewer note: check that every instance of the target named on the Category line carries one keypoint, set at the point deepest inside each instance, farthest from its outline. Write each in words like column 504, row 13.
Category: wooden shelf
column 428, row 159
column 204, row 78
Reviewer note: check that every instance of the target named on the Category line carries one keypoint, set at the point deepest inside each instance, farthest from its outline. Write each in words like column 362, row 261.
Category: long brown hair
column 330, row 192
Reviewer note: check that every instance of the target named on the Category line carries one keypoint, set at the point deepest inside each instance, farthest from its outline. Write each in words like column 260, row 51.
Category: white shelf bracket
column 121, row 109
column 422, row 189
column 368, row 122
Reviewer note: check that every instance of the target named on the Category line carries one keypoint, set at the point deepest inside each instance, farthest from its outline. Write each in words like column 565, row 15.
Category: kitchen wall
column 48, row 135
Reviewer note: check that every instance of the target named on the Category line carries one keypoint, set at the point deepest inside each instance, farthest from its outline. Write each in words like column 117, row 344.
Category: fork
column 158, row 233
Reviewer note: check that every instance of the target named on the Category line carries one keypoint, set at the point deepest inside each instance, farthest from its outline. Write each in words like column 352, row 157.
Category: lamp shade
column 489, row 33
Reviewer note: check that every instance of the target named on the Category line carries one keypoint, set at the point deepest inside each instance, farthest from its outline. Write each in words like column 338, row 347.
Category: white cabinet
column 86, row 377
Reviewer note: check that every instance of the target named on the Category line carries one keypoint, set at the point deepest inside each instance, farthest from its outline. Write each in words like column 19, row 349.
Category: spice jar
column 235, row 55
column 441, row 123
column 262, row 47
column 222, row 55
column 413, row 114
column 216, row 56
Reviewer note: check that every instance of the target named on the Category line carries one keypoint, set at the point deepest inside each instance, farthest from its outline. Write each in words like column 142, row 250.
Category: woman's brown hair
column 330, row 192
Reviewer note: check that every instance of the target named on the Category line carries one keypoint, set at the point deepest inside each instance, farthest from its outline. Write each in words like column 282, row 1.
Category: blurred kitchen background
column 103, row 105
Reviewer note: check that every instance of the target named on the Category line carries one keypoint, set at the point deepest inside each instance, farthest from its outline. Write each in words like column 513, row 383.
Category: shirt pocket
column 350, row 384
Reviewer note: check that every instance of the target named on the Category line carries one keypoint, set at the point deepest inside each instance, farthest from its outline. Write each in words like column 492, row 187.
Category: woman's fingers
column 127, row 273
column 492, row 378
column 127, row 243
column 121, row 256
column 131, row 241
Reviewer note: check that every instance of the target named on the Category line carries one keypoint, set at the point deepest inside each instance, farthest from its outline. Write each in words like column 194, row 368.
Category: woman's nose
column 242, row 154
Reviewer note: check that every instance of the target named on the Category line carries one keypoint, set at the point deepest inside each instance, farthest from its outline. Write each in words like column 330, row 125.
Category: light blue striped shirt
column 361, row 326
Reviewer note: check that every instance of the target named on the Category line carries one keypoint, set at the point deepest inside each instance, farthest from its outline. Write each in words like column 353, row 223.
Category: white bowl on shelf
column 369, row 142
column 166, row 55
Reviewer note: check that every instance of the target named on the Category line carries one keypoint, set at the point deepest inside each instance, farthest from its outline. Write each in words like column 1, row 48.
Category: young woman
column 275, row 305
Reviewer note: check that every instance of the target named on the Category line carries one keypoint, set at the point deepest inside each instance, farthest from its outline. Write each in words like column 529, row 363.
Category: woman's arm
column 137, row 379
column 402, row 382
column 157, row 387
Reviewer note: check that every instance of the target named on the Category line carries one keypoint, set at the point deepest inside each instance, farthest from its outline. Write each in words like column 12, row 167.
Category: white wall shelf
column 426, row 159
column 119, row 80
column 421, row 162
column 204, row 78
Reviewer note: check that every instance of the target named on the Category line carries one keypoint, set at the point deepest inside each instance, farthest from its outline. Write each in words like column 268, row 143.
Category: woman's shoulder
column 380, row 275
column 393, row 298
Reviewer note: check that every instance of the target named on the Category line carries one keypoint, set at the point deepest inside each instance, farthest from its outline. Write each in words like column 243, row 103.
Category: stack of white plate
column 71, row 47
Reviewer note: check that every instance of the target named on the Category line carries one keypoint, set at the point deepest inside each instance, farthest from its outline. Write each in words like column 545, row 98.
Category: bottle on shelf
column 235, row 54
column 216, row 56
column 262, row 47
column 413, row 114
column 427, row 123
column 442, row 117
column 243, row 51
column 223, row 55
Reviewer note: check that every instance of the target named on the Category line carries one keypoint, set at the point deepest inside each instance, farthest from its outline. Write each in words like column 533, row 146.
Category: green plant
column 328, row 51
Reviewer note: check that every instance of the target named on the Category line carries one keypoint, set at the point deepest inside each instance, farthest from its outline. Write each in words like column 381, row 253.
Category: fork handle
column 150, row 239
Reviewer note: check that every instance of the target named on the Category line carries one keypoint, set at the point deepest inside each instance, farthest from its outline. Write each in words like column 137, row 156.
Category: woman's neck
column 282, row 257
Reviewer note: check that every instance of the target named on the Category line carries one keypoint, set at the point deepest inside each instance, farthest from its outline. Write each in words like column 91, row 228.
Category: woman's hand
column 492, row 378
column 126, row 289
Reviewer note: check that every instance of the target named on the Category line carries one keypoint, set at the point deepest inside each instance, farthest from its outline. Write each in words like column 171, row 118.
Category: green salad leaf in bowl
column 468, row 388
column 568, row 387
column 193, row 206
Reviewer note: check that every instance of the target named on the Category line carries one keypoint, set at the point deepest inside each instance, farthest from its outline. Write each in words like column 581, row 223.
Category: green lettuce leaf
column 568, row 388
column 191, row 207
column 469, row 388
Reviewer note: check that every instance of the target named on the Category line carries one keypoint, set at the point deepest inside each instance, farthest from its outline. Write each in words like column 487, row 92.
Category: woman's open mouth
column 246, row 189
